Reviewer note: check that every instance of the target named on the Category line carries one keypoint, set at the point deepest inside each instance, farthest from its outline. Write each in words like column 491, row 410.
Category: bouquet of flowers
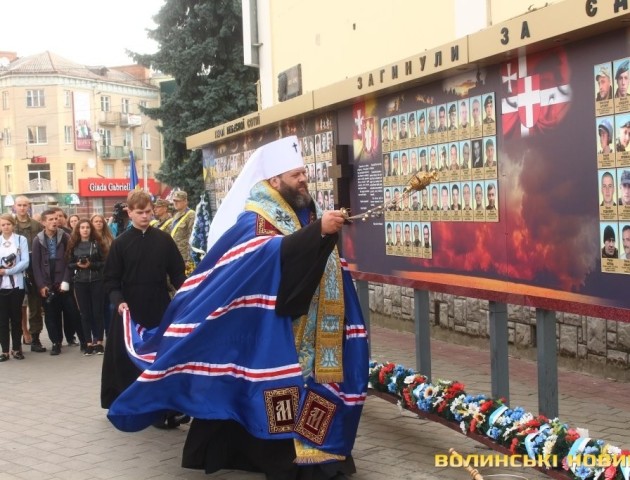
column 437, row 398
column 388, row 378
column 472, row 412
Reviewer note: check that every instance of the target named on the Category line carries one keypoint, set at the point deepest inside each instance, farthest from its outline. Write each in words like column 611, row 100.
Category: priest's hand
column 332, row 221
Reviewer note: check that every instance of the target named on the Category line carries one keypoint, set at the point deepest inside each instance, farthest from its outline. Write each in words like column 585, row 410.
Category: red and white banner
column 536, row 92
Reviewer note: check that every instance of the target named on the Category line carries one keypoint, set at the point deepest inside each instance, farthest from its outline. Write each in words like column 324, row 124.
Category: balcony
column 112, row 152
column 41, row 185
column 109, row 118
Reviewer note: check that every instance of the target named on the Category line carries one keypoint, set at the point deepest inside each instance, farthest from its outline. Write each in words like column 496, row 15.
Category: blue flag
column 133, row 175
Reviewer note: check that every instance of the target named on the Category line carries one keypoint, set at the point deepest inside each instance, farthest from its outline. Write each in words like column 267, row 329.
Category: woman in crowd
column 120, row 219
column 86, row 258
column 72, row 221
column 99, row 225
column 14, row 260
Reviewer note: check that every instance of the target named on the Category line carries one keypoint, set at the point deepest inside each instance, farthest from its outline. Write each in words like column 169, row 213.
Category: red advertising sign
column 111, row 187
column 82, row 122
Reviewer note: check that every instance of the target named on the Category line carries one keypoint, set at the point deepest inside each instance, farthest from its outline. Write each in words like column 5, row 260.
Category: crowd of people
column 52, row 273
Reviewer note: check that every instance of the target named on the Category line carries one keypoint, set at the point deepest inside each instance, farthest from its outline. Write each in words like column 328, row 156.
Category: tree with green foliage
column 200, row 45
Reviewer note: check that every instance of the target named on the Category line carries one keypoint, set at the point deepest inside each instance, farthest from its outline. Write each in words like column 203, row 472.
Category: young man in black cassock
column 135, row 278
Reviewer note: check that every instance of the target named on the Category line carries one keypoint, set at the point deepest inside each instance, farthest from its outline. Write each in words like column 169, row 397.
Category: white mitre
column 267, row 161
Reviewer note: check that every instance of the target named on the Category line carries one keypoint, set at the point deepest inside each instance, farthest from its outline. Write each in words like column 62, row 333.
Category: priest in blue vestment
column 264, row 344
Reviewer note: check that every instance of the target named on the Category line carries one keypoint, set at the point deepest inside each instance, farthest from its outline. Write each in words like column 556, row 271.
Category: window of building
column 67, row 134
column 127, row 171
column 109, row 170
column 8, row 178
column 125, row 105
column 6, row 134
column 67, row 98
column 35, row 98
column 127, row 140
column 39, row 177
column 146, row 141
column 70, row 175
column 97, row 206
column 105, row 103
column 106, row 136
column 144, row 104
column 37, row 135
column 5, row 100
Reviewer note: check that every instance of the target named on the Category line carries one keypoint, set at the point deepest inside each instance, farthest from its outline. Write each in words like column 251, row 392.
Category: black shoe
column 99, row 349
column 56, row 349
column 88, row 351
column 73, row 343
column 165, row 424
column 170, row 421
column 182, row 419
column 37, row 347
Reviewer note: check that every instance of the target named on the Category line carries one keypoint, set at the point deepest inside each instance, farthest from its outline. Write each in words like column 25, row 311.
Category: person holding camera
column 86, row 257
column 120, row 220
column 13, row 261
column 52, row 278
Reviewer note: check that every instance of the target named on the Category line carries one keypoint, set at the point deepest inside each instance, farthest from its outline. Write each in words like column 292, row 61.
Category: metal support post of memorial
column 422, row 326
column 499, row 360
column 547, row 362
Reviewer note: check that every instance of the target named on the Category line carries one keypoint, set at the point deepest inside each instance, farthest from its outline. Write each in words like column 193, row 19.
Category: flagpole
column 145, row 169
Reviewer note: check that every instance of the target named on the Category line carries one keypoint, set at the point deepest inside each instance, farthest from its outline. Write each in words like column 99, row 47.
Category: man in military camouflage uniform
column 163, row 218
column 181, row 227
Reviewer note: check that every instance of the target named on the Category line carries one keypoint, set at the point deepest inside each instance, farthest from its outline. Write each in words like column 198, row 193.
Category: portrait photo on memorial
column 603, row 82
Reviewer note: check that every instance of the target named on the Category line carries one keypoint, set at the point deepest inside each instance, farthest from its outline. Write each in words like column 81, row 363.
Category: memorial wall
column 530, row 152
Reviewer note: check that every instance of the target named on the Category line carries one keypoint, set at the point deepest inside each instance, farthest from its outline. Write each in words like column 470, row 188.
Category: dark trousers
column 62, row 304
column 90, row 299
column 11, row 318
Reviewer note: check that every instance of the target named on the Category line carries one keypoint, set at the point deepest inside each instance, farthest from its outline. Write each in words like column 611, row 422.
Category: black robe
column 213, row 445
column 136, row 272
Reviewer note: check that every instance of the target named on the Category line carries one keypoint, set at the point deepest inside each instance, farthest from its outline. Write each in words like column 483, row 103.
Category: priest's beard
column 298, row 197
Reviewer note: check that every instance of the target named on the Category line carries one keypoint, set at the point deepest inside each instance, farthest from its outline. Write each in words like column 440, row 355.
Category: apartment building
column 67, row 130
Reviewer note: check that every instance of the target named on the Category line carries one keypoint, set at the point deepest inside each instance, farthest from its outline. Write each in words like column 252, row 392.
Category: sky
column 86, row 32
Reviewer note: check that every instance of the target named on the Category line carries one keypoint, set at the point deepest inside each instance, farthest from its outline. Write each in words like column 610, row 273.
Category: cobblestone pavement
column 53, row 427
